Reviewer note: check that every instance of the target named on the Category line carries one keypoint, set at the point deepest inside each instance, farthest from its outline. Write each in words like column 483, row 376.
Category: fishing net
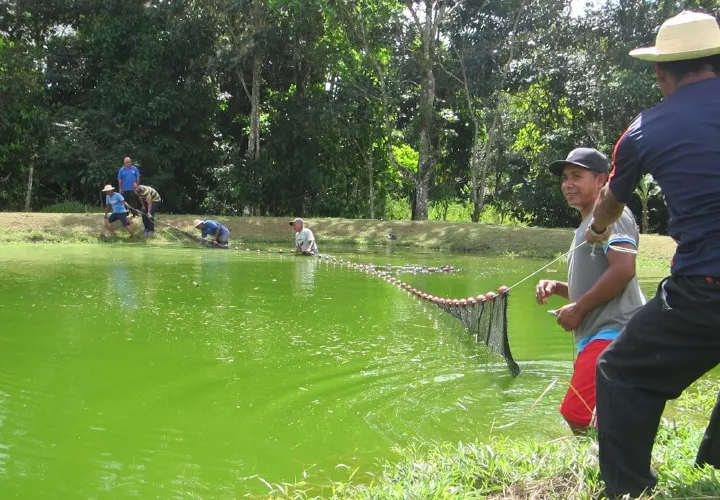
column 483, row 316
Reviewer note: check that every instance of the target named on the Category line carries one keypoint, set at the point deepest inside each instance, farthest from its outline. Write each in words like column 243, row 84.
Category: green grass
column 564, row 468
column 274, row 233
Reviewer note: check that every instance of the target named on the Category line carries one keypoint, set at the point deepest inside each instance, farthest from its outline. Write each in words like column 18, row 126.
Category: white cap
column 197, row 222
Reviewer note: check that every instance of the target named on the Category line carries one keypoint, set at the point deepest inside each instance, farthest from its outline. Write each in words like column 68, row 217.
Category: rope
column 606, row 246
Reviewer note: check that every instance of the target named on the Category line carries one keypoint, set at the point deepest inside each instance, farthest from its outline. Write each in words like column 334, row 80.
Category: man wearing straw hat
column 602, row 288
column 115, row 202
column 675, row 338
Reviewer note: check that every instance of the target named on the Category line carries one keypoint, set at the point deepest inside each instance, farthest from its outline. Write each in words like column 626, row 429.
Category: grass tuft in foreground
column 564, row 468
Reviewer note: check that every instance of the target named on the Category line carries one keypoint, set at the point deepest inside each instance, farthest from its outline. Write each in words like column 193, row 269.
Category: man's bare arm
column 607, row 209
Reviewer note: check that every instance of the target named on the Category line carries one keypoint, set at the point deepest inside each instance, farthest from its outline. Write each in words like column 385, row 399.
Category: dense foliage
column 350, row 108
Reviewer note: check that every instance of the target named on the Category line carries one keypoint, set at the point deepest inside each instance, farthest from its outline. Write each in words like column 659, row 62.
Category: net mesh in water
column 483, row 316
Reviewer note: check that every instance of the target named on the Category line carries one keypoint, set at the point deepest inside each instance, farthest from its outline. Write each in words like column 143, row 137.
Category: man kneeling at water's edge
column 602, row 287
column 220, row 234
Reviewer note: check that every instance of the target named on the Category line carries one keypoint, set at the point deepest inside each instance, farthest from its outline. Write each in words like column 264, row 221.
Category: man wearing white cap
column 304, row 239
column 115, row 202
column 220, row 234
column 675, row 338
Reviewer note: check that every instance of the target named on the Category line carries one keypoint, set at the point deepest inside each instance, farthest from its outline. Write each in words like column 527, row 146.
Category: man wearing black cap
column 602, row 287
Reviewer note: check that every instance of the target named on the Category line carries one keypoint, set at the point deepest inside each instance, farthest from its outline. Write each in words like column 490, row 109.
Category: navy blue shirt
column 678, row 143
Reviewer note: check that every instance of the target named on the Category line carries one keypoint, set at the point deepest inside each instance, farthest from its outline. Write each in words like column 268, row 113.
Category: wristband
column 596, row 232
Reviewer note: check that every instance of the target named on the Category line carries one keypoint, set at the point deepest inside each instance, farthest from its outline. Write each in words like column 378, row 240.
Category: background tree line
column 350, row 108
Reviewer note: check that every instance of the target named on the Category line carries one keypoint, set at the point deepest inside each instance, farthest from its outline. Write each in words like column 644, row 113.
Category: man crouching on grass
column 601, row 286
column 119, row 206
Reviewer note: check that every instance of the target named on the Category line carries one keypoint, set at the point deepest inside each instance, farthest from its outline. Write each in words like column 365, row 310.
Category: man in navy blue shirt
column 220, row 234
column 128, row 176
column 675, row 338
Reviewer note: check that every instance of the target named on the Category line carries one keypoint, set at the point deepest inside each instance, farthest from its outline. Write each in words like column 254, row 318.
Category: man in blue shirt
column 128, row 176
column 220, row 234
column 675, row 338
column 115, row 202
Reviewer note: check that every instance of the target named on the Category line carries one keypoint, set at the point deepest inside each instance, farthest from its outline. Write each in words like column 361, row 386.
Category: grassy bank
column 564, row 468
column 272, row 232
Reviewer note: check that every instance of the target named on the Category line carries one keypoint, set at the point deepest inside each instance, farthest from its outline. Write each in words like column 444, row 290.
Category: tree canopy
column 352, row 108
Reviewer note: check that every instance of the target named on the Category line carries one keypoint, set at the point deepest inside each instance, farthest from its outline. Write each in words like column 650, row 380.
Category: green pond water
column 131, row 371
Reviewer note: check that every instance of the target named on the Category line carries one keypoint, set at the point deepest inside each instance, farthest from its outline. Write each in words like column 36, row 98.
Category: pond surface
column 130, row 371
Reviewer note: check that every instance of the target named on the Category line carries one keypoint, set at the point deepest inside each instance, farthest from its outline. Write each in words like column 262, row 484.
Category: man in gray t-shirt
column 602, row 287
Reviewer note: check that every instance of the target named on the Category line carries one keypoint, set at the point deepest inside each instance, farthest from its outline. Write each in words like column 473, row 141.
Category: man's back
column 678, row 142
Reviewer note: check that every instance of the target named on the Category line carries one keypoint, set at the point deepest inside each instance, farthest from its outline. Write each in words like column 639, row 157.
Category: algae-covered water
column 204, row 373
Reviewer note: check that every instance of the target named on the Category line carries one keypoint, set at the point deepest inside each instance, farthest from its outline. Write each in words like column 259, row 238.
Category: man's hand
column 570, row 316
column 544, row 289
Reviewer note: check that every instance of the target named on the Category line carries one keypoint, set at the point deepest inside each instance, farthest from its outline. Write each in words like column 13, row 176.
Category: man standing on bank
column 128, row 176
column 675, row 338
column 602, row 287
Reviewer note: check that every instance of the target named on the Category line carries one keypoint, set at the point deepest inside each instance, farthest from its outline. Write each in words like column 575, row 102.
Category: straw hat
column 689, row 35
column 197, row 222
column 107, row 188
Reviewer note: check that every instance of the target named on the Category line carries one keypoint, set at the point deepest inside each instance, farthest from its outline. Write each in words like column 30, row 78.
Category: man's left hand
column 570, row 316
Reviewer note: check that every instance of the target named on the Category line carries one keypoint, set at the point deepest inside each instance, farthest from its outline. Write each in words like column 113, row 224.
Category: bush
column 67, row 207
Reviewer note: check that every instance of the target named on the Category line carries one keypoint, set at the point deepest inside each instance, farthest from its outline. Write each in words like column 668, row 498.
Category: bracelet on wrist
column 598, row 232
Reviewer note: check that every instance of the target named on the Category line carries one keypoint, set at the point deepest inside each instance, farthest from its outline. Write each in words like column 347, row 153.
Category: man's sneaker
column 150, row 233
column 146, row 233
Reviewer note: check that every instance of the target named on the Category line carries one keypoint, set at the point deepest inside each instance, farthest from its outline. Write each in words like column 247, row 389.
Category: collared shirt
column 146, row 192
column 212, row 226
column 128, row 177
column 678, row 142
column 117, row 202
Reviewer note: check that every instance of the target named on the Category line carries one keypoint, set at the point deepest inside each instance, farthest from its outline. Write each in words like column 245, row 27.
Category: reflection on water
column 121, row 288
column 305, row 268
column 204, row 373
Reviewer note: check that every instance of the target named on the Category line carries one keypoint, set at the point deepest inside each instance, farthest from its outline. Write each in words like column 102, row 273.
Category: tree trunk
column 253, row 150
column 645, row 218
column 29, row 187
column 427, row 106
column 478, row 197
column 371, row 183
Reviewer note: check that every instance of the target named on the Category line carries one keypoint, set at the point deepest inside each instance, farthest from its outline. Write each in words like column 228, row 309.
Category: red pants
column 578, row 404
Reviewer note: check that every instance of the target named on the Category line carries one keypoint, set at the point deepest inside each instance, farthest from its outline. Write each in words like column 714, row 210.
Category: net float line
column 389, row 268
column 484, row 316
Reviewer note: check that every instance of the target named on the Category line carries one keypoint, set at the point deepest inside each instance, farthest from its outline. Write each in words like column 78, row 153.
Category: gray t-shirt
column 584, row 269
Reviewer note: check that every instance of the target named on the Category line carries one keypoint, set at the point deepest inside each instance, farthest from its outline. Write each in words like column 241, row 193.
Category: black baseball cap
column 589, row 158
